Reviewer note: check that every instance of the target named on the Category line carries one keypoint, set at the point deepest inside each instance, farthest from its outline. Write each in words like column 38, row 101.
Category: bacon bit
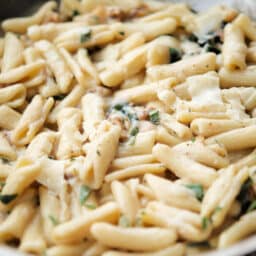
column 137, row 12
column 51, row 17
column 116, row 13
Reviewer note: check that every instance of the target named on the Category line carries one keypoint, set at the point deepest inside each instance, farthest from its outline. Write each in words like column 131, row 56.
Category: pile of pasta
column 128, row 128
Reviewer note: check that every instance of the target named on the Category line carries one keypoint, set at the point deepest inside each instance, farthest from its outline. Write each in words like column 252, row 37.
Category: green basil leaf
column 197, row 189
column 85, row 192
column 6, row 199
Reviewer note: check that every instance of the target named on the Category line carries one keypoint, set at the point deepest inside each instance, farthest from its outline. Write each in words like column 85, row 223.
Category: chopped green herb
column 124, row 221
column 132, row 140
column 193, row 139
column 197, row 189
column 98, row 152
column 154, row 117
column 85, row 192
column 193, row 38
column 122, row 33
column 118, row 106
column 75, row 13
column 6, row 199
column 246, row 195
column 72, row 159
column 54, row 221
column 85, row 36
column 205, row 222
column 134, row 131
column 5, row 160
column 252, row 206
column 90, row 206
column 59, row 97
column 2, row 183
column 212, row 48
column 175, row 55
column 199, row 244
column 217, row 209
column 193, row 10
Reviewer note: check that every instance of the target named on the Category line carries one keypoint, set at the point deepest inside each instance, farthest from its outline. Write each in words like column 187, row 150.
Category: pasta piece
column 17, row 221
column 86, row 64
column 246, row 25
column 125, row 162
column 187, row 224
column 32, row 239
column 6, row 150
column 49, row 212
column 202, row 154
column 57, row 65
column 184, row 68
column 22, row 177
column 41, row 145
column 128, row 204
column 19, row 73
column 144, row 93
column 174, row 127
column 20, row 25
column 177, row 250
column 51, row 175
column 209, row 127
column 150, row 30
column 243, row 78
column 164, row 137
column 172, row 194
column 100, row 154
column 81, row 77
column 222, row 194
column 96, row 249
column 71, row 100
column 144, row 239
column 133, row 171
column 9, row 117
column 13, row 52
column 79, row 228
column 32, row 120
column 239, row 230
column 178, row 163
column 131, row 63
column 13, row 96
column 234, row 48
column 244, row 138
column 66, row 250
column 85, row 37
column 93, row 107
column 143, row 144
column 70, row 141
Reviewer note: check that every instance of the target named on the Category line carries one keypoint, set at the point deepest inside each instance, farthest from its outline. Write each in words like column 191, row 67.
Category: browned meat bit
column 137, row 12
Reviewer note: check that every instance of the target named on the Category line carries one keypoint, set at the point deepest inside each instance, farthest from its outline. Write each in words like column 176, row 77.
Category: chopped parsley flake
column 252, row 206
column 5, row 160
column 217, row 209
column 75, row 13
column 85, row 192
column 85, row 36
column 154, row 117
column 175, row 55
column 124, row 221
column 59, row 97
column 122, row 33
column 90, row 206
column 98, row 152
column 205, row 222
column 197, row 189
column 6, row 199
column 193, row 139
column 54, row 221
column 134, row 131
